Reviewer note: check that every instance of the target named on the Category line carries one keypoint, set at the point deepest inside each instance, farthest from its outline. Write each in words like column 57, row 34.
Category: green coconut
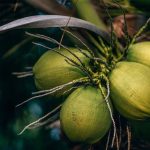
column 130, row 89
column 140, row 52
column 85, row 116
column 52, row 70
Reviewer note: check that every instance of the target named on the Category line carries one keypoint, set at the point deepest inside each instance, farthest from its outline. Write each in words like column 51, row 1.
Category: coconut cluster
column 94, row 88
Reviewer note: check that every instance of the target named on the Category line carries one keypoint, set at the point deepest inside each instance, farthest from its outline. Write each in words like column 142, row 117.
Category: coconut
column 85, row 116
column 130, row 89
column 140, row 52
column 51, row 70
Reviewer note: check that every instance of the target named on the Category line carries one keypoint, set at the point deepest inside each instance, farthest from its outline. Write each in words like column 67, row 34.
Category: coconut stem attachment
column 115, row 47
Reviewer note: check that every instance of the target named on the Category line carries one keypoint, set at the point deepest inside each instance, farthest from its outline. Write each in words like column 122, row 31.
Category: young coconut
column 130, row 89
column 140, row 52
column 52, row 69
column 85, row 116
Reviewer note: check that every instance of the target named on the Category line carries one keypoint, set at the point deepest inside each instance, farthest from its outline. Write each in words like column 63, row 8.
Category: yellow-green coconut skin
column 52, row 70
column 85, row 116
column 130, row 89
column 140, row 52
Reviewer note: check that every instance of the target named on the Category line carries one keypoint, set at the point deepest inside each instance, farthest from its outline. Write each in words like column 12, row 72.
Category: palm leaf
column 45, row 21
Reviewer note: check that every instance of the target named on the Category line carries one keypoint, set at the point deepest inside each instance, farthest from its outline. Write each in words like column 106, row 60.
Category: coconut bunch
column 73, row 72
column 95, row 86
column 97, row 83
